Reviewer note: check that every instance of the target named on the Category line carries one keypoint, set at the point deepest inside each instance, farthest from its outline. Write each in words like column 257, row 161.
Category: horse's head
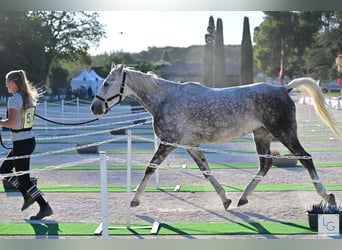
column 111, row 91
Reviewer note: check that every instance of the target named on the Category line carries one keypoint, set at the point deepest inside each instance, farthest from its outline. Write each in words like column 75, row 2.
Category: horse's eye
column 106, row 84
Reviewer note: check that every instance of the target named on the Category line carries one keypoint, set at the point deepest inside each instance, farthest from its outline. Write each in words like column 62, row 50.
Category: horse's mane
column 147, row 82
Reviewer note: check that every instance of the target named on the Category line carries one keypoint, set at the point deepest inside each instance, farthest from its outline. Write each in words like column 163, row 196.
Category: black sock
column 22, row 190
column 37, row 195
column 41, row 201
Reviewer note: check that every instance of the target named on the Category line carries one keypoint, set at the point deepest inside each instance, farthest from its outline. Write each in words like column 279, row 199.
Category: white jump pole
column 103, row 227
column 154, row 228
column 63, row 110
column 129, row 167
column 104, row 198
column 78, row 107
column 45, row 113
column 339, row 102
column 156, row 144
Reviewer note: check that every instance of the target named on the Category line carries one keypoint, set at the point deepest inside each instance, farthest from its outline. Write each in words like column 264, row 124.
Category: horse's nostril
column 94, row 109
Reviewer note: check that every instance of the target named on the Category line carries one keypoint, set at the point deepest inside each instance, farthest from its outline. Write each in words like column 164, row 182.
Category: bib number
column 28, row 118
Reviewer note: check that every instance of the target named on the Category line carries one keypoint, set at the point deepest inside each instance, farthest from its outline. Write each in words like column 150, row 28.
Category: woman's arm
column 11, row 121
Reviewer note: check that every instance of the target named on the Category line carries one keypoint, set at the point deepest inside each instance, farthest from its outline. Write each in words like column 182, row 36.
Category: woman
column 20, row 114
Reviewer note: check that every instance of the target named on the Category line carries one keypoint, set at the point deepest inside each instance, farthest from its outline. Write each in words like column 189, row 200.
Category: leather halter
column 114, row 96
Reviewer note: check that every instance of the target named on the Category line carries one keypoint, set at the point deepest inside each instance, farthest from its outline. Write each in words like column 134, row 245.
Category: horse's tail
column 311, row 88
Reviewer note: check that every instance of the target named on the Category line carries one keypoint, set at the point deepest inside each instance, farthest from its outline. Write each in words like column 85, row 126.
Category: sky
column 135, row 31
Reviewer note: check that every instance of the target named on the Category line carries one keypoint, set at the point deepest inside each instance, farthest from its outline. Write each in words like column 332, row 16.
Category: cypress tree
column 246, row 64
column 219, row 57
column 165, row 56
column 209, row 53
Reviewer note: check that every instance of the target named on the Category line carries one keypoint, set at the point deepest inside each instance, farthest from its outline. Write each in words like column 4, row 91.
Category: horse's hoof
column 135, row 203
column 227, row 203
column 242, row 202
column 332, row 200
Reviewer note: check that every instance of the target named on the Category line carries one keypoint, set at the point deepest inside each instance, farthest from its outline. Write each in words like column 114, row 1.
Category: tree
column 59, row 78
column 71, row 34
column 165, row 57
column 214, row 56
column 152, row 53
column 209, row 52
column 320, row 57
column 117, row 58
column 147, row 67
column 219, row 58
column 78, row 63
column 107, row 65
column 22, row 45
column 296, row 30
column 246, row 67
column 309, row 24
column 268, row 41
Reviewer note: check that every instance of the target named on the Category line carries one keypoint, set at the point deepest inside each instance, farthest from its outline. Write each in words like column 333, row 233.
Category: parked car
column 330, row 86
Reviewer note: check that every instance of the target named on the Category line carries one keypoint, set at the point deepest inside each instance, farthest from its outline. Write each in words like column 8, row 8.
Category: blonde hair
column 28, row 92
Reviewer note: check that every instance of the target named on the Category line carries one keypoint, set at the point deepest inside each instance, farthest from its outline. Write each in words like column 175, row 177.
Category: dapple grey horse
column 191, row 114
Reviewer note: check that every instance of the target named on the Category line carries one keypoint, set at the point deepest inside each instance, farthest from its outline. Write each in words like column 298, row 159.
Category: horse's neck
column 146, row 92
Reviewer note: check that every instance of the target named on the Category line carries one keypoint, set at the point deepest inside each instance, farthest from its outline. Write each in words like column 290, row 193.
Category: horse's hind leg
column 320, row 189
column 200, row 160
column 161, row 154
column 262, row 139
column 293, row 144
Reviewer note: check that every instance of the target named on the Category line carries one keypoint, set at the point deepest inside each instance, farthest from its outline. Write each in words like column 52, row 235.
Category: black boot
column 44, row 211
column 28, row 201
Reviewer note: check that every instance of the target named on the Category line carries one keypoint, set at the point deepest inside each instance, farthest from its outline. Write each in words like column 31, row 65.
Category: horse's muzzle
column 97, row 108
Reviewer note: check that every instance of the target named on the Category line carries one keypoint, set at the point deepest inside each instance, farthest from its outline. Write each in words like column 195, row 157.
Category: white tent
column 87, row 79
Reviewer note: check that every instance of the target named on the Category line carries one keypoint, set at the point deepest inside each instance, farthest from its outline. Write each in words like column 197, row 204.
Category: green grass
column 218, row 228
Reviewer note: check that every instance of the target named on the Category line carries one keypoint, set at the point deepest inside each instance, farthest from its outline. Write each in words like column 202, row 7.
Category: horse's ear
column 121, row 67
column 113, row 65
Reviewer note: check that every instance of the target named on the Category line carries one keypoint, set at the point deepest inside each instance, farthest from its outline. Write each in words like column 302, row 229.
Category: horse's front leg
column 265, row 165
column 161, row 154
column 200, row 160
column 262, row 139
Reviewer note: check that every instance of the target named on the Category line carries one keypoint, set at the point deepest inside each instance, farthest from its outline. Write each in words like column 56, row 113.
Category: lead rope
column 67, row 124
column 2, row 143
column 85, row 122
column 55, row 122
